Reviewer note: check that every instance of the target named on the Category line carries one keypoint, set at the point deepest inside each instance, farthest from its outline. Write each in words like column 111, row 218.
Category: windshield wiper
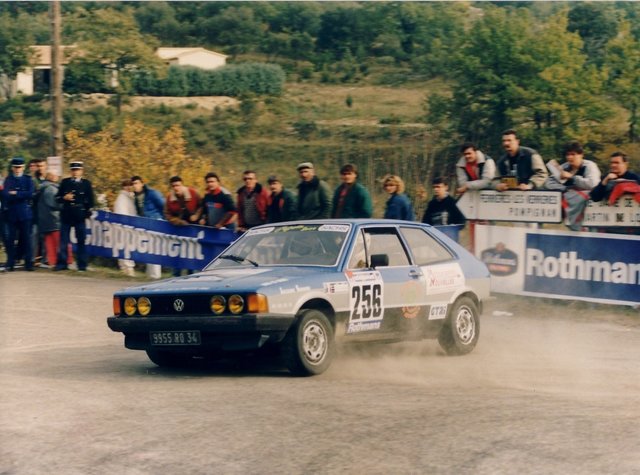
column 234, row 258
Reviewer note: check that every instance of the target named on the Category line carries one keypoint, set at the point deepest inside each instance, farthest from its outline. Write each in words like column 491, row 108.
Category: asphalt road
column 553, row 394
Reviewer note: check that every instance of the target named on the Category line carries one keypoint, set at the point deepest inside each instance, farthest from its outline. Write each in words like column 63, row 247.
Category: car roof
column 355, row 222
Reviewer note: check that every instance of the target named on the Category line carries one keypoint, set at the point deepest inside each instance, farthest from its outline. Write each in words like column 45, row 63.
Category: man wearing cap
column 282, row 204
column 17, row 194
column 76, row 196
column 314, row 195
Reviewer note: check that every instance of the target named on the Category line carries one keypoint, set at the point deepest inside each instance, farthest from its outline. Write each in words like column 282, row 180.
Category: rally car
column 302, row 287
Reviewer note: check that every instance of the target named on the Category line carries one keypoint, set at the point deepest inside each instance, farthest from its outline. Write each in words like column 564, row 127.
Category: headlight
column 129, row 306
column 144, row 306
column 218, row 304
column 236, row 304
column 257, row 303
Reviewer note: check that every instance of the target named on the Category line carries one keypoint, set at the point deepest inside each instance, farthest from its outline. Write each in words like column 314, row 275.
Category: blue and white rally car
column 302, row 286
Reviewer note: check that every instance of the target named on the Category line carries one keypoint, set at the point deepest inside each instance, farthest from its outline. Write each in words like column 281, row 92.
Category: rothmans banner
column 154, row 241
column 595, row 267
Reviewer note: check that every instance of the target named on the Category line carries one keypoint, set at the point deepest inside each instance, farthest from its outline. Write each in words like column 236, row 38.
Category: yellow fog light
column 236, row 304
column 257, row 303
column 129, row 306
column 144, row 306
column 218, row 304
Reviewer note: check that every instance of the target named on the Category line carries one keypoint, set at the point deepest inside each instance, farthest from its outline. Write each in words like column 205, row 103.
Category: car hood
column 245, row 279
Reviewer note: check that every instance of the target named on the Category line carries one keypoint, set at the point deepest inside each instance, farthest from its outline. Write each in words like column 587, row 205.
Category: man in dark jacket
column 76, row 196
column 218, row 209
column 442, row 209
column 524, row 164
column 17, row 194
column 618, row 170
column 282, row 204
column 314, row 195
column 351, row 199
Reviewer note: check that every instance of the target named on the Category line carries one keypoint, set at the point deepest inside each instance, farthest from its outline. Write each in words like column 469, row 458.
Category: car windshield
column 297, row 245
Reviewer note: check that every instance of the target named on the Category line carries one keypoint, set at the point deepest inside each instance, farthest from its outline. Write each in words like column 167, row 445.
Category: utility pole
column 56, row 81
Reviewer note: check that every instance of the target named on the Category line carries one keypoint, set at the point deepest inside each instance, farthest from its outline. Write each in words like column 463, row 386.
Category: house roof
column 175, row 53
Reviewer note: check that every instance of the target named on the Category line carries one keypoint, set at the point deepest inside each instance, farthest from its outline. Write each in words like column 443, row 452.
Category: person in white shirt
column 125, row 204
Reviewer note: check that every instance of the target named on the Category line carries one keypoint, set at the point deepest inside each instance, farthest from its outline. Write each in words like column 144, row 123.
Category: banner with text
column 522, row 206
column 154, row 241
column 596, row 267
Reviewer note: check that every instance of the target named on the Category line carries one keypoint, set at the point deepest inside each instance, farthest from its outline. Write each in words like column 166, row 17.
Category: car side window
column 389, row 244
column 425, row 249
column 378, row 241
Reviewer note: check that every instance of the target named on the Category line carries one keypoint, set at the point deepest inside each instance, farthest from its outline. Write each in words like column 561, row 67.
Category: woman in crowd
column 398, row 205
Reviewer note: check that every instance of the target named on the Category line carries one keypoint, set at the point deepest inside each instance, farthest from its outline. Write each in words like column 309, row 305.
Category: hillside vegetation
column 392, row 87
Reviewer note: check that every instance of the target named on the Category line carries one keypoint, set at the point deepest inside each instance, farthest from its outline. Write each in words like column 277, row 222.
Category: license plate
column 191, row 337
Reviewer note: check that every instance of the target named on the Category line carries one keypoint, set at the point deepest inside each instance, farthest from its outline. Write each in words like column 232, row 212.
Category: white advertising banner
column 520, row 206
column 624, row 212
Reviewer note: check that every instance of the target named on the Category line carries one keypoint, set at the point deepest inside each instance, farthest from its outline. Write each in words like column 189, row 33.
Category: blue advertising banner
column 154, row 241
column 580, row 266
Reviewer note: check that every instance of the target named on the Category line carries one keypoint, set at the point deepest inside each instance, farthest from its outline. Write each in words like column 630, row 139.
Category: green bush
column 232, row 80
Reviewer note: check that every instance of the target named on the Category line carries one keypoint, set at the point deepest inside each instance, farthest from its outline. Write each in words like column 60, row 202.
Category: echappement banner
column 154, row 241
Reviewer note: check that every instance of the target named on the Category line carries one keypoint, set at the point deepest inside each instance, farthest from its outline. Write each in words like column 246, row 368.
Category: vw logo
column 178, row 305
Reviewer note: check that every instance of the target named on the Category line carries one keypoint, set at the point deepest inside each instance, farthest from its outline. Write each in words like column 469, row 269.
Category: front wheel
column 461, row 331
column 309, row 346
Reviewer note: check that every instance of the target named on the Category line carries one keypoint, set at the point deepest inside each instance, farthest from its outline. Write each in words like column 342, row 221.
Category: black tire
column 461, row 330
column 309, row 346
column 168, row 359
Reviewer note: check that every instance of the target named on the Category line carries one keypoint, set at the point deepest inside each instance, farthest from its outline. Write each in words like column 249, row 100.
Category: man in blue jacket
column 17, row 195
column 149, row 204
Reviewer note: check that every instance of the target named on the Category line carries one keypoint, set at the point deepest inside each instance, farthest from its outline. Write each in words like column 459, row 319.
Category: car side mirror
column 379, row 260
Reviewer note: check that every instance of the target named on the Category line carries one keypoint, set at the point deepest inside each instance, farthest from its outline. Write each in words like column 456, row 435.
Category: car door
column 442, row 276
column 382, row 299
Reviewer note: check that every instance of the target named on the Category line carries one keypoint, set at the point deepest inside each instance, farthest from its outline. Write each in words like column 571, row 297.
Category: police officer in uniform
column 17, row 195
column 76, row 196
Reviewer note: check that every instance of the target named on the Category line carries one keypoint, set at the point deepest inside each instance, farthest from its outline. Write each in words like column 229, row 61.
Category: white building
column 37, row 77
column 198, row 57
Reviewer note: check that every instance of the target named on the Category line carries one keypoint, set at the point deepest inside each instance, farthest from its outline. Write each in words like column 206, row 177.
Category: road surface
column 541, row 393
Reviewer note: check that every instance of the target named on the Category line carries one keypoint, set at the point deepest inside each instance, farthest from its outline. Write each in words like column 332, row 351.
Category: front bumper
column 217, row 333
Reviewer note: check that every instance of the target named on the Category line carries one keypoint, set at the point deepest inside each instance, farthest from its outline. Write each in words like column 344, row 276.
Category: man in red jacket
column 183, row 204
column 253, row 201
column 183, row 207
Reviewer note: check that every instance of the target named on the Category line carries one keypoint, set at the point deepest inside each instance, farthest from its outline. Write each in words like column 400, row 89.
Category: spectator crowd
column 38, row 211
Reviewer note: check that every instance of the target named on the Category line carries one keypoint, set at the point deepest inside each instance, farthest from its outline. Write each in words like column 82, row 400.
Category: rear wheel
column 309, row 346
column 461, row 331
column 168, row 359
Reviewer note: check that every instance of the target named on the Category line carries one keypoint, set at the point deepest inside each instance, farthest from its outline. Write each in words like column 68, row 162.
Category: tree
column 112, row 38
column 15, row 56
column 514, row 73
column 566, row 99
column 118, row 152
column 596, row 24
column 623, row 61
